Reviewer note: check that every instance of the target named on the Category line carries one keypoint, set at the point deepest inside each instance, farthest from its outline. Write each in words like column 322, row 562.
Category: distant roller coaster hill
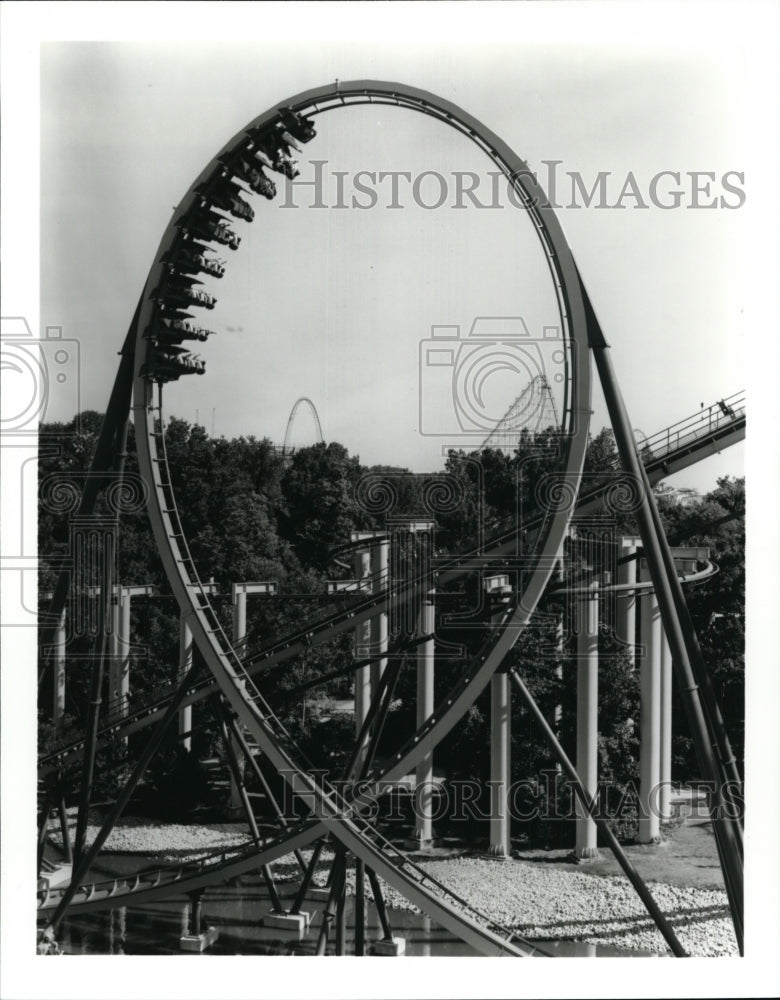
column 288, row 448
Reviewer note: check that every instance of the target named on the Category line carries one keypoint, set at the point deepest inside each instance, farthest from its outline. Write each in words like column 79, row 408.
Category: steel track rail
column 339, row 817
column 349, row 828
column 173, row 881
column 322, row 631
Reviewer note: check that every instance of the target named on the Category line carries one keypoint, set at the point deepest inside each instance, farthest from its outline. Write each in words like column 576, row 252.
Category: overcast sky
column 333, row 303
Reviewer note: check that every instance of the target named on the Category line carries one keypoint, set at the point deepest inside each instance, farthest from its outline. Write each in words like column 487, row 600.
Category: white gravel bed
column 540, row 903
column 166, row 841
column 529, row 898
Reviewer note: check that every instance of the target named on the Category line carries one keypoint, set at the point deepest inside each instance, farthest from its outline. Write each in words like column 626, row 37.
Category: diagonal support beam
column 724, row 826
column 150, row 750
column 589, row 805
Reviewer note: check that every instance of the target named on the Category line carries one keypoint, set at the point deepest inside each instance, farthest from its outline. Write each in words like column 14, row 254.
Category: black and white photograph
column 380, row 576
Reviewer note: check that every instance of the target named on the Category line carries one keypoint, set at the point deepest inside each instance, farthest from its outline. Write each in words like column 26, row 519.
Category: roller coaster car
column 184, row 291
column 174, row 329
column 227, row 195
column 302, row 128
column 290, row 142
column 172, row 362
column 210, row 226
column 193, row 259
column 255, row 178
column 272, row 147
column 286, row 165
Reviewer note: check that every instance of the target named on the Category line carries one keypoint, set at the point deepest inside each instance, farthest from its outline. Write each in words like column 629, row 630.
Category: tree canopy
column 250, row 513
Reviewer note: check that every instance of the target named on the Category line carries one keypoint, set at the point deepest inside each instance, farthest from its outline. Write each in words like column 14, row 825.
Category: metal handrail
column 707, row 421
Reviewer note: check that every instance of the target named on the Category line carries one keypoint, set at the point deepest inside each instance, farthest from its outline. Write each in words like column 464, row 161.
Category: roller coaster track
column 441, row 902
column 291, row 420
column 162, row 883
column 156, row 361
column 668, row 451
column 339, row 818
column 687, row 441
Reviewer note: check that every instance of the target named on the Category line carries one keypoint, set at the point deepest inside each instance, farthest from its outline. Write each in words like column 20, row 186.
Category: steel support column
column 649, row 717
column 82, row 863
column 362, row 573
column 626, row 602
column 185, row 665
column 603, row 825
column 380, row 551
column 665, row 796
column 186, row 659
column 58, row 685
column 119, row 666
column 500, row 766
column 587, row 630
column 422, row 838
column 239, row 593
column 664, row 579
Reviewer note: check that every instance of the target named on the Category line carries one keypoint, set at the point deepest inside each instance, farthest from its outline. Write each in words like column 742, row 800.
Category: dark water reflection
column 236, row 910
column 155, row 928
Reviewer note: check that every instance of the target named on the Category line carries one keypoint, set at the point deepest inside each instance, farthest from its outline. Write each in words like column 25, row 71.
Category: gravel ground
column 530, row 898
column 568, row 906
column 164, row 841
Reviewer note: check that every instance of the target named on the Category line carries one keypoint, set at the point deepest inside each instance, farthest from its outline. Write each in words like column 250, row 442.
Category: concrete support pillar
column 560, row 577
column 379, row 624
column 58, row 677
column 239, row 645
column 185, row 664
column 118, row 932
column 119, row 661
column 422, row 838
column 362, row 569
column 649, row 718
column 665, row 798
column 500, row 766
column 423, row 835
column 627, row 601
column 123, row 666
column 239, row 620
column 587, row 630
column 119, row 645
column 372, row 566
column 194, row 937
column 113, row 663
column 239, row 594
column 186, row 649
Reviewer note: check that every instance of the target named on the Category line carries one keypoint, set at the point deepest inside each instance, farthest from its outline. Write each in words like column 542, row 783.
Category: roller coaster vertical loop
column 158, row 357
column 160, row 327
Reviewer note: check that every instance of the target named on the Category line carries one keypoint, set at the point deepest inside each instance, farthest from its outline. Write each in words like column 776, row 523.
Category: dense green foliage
column 250, row 513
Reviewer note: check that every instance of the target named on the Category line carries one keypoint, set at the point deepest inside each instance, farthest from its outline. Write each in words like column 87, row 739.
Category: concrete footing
column 582, row 855
column 390, row 947
column 318, row 893
column 233, row 814
column 198, row 942
column 497, row 852
column 61, row 875
column 418, row 842
column 297, row 923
